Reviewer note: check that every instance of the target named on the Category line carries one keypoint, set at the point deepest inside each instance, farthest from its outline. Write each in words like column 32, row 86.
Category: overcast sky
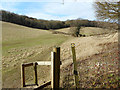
column 51, row 9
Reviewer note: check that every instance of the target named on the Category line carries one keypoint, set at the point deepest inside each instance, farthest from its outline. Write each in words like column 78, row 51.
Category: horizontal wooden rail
column 44, row 62
column 38, row 63
column 27, row 64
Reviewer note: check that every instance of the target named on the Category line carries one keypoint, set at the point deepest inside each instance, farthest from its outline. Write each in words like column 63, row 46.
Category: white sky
column 52, row 9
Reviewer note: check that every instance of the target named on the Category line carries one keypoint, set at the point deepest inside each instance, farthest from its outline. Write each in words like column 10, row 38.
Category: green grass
column 47, row 39
column 18, row 40
column 15, row 36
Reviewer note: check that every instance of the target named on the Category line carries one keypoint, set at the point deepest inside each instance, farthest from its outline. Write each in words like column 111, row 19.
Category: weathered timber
column 75, row 65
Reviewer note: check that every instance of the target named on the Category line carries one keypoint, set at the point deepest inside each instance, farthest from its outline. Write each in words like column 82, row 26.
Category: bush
column 74, row 31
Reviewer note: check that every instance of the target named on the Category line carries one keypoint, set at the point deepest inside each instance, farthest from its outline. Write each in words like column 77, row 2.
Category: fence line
column 55, row 69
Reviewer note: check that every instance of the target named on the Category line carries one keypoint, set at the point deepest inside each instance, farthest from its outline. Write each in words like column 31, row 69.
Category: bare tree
column 107, row 10
column 74, row 31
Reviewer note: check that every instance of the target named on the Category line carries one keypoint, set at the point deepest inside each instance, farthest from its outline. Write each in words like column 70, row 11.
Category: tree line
column 52, row 24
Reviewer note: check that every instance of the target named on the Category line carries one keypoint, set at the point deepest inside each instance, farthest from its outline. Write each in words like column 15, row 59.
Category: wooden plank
column 22, row 76
column 44, row 62
column 43, row 85
column 27, row 64
column 52, row 68
column 35, row 70
column 75, row 65
column 55, row 67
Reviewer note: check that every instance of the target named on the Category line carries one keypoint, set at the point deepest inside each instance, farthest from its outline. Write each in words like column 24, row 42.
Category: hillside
column 16, row 32
column 89, row 31
column 22, row 44
column 97, row 59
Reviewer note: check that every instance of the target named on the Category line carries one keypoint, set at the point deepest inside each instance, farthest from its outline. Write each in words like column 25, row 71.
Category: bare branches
column 107, row 10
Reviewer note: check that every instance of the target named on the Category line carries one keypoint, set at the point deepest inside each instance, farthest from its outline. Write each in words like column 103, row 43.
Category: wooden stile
column 23, row 73
column 55, row 69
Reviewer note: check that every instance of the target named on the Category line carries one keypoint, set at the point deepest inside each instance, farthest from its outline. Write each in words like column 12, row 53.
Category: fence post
column 75, row 64
column 55, row 67
column 35, row 70
column 23, row 75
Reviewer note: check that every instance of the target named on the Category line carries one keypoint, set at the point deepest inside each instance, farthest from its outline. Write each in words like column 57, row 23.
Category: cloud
column 50, row 17
column 9, row 6
column 69, row 10
column 52, row 11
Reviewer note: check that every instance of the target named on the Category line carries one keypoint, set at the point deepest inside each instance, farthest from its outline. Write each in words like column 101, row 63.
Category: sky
column 51, row 9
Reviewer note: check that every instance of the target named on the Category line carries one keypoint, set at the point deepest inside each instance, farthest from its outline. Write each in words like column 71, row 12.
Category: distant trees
column 107, row 10
column 31, row 22
column 78, row 23
column 52, row 24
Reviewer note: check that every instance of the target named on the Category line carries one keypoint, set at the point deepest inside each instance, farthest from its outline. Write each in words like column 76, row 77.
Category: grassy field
column 22, row 44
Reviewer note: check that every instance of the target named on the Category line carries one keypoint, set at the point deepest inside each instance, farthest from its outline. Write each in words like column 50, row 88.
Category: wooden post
column 55, row 67
column 52, row 69
column 35, row 70
column 75, row 65
column 23, row 76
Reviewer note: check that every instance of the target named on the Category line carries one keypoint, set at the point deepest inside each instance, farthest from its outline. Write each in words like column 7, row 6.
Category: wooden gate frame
column 55, row 70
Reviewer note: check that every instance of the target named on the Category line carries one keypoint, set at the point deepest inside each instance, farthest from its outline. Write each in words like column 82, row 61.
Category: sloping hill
column 21, row 45
column 12, row 32
column 87, row 46
column 15, row 35
column 65, row 30
column 97, row 59
column 89, row 31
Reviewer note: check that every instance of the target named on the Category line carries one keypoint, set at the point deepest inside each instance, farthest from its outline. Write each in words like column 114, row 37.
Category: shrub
column 74, row 31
